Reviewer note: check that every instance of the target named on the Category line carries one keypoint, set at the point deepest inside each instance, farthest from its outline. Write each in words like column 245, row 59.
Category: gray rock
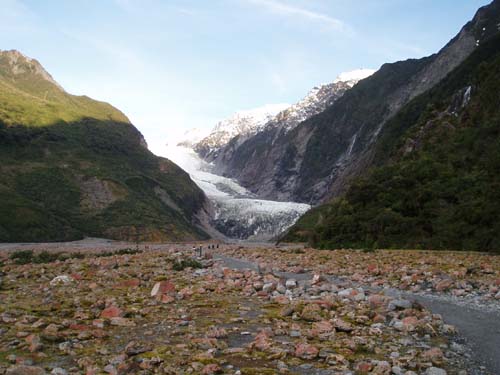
column 291, row 284
column 399, row 304
column 281, row 288
column 435, row 371
column 295, row 333
column 268, row 287
column 345, row 293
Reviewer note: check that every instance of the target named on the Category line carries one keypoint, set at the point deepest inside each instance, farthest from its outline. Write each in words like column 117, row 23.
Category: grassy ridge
column 74, row 167
column 437, row 182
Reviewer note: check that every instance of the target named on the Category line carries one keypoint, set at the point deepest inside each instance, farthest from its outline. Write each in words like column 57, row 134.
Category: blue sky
column 171, row 65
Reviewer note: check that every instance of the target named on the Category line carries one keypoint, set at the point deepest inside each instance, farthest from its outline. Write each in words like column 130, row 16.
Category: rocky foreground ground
column 162, row 311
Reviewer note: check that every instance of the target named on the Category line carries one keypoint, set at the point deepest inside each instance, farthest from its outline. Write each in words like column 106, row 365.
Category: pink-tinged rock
column 311, row 312
column 458, row 292
column 410, row 323
column 25, row 370
column 51, row 329
column 379, row 318
column 165, row 298
column 262, row 341
column 377, row 300
column 34, row 343
column 111, row 312
column 435, row 355
column 382, row 368
column 99, row 333
column 79, row 327
column 262, row 293
column 364, row 367
column 131, row 283
column 93, row 286
column 217, row 333
column 270, row 279
column 372, row 268
column 443, row 285
column 342, row 325
column 161, row 288
column 497, row 282
column 306, row 351
column 282, row 300
column 323, row 327
column 76, row 276
column 210, row 369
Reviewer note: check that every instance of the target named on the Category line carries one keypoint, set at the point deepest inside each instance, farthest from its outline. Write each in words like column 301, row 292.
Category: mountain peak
column 354, row 76
column 241, row 123
column 15, row 65
column 283, row 116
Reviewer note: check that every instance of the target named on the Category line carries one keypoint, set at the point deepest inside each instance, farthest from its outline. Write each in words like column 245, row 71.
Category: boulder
column 306, row 351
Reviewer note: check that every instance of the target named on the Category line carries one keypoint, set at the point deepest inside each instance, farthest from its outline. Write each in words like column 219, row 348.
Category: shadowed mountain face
column 73, row 167
column 436, row 183
column 315, row 160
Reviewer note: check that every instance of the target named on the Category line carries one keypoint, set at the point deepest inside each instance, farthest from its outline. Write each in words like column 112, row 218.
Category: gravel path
column 479, row 329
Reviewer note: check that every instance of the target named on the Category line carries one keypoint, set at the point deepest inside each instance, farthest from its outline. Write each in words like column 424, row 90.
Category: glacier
column 238, row 214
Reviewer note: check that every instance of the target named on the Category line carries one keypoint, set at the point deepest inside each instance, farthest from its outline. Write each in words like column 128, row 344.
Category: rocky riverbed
column 163, row 311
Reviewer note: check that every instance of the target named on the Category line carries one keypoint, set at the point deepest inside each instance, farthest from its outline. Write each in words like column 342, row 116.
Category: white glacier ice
column 238, row 213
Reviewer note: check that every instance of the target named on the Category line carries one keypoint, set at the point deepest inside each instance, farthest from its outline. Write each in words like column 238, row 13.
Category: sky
column 173, row 65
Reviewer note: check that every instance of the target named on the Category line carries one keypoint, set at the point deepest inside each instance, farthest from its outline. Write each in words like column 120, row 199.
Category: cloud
column 284, row 9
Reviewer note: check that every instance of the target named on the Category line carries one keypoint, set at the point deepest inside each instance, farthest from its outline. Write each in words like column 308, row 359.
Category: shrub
column 22, row 256
column 46, row 257
column 126, row 251
column 28, row 256
column 186, row 263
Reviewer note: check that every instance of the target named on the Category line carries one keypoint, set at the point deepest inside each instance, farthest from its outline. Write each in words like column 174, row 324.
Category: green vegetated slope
column 74, row 167
column 436, row 184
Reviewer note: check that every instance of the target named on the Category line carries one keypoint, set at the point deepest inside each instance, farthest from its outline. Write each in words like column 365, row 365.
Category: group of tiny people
column 199, row 248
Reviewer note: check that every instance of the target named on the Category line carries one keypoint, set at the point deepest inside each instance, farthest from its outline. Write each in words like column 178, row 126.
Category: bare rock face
column 314, row 160
column 21, row 65
column 98, row 194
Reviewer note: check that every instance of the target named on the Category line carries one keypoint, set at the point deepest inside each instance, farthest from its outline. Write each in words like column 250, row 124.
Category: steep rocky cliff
column 436, row 184
column 317, row 158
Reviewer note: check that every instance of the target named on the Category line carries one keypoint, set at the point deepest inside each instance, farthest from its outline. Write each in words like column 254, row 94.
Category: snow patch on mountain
column 244, row 124
column 241, row 123
column 354, row 76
